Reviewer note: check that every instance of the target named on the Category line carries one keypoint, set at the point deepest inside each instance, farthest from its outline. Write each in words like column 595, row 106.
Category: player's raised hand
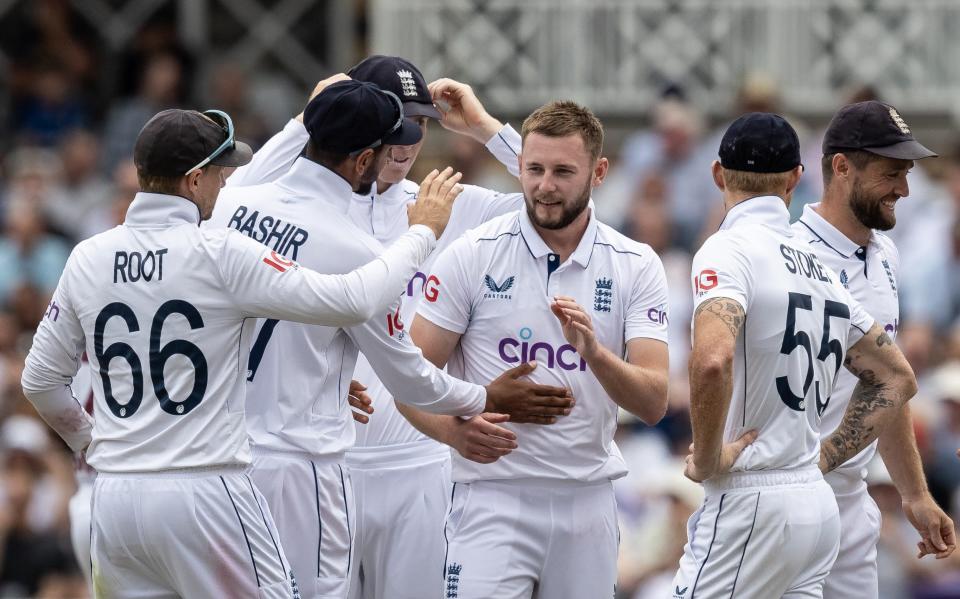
column 479, row 439
column 937, row 535
column 321, row 85
column 729, row 453
column 359, row 400
column 525, row 401
column 462, row 111
column 576, row 324
column 438, row 190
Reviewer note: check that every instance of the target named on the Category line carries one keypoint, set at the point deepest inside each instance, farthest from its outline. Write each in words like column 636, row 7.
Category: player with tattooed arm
column 771, row 330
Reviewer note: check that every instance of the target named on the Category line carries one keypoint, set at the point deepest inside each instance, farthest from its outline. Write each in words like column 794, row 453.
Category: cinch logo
column 430, row 286
column 893, row 328
column 705, row 281
column 514, row 351
column 658, row 314
column 498, row 291
column 53, row 311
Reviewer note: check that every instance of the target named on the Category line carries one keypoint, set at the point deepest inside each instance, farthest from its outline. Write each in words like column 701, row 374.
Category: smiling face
column 557, row 175
column 400, row 159
column 875, row 189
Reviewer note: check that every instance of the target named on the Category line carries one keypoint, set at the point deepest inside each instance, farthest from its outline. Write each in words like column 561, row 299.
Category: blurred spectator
column 52, row 107
column 670, row 152
column 79, row 205
column 160, row 87
column 943, row 467
column 29, row 257
column 28, row 552
column 229, row 92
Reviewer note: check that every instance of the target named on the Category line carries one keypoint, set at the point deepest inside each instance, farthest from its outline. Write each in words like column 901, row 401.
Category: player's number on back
column 157, row 359
column 793, row 338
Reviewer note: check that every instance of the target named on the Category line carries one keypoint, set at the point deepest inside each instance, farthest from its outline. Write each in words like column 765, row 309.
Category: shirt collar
column 161, row 209
column 765, row 210
column 308, row 179
column 539, row 248
column 828, row 234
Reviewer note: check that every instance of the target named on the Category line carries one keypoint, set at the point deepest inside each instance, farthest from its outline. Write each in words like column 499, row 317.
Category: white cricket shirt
column 384, row 215
column 799, row 323
column 870, row 274
column 165, row 312
column 299, row 375
column 498, row 282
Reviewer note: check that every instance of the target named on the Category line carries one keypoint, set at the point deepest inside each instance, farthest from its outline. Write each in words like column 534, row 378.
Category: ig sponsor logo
column 524, row 349
column 395, row 325
column 705, row 281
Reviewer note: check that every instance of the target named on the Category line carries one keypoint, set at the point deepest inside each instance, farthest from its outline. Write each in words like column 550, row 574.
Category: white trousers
column 760, row 535
column 402, row 498
column 79, row 509
column 312, row 503
column 854, row 574
column 185, row 534
column 521, row 539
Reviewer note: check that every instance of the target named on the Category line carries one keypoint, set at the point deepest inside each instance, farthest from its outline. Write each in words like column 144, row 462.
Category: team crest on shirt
column 844, row 278
column 498, row 290
column 890, row 279
column 603, row 295
column 407, row 83
column 453, row 580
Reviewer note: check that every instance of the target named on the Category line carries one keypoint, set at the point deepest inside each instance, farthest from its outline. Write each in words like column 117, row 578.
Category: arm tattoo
column 884, row 339
column 855, row 432
column 727, row 310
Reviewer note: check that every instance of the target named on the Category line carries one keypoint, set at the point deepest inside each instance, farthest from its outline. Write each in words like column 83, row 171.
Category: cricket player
column 867, row 151
column 165, row 312
column 547, row 283
column 401, row 477
column 772, row 327
column 299, row 439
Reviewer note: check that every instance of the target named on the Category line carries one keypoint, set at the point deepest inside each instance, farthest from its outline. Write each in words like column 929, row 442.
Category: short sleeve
column 453, row 304
column 860, row 320
column 646, row 314
column 722, row 269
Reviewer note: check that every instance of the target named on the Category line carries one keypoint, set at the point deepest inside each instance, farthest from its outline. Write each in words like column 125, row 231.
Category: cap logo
column 899, row 122
column 407, row 83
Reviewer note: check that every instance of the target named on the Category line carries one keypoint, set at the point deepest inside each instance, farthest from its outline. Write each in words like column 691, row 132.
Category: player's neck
column 565, row 241
column 383, row 186
column 836, row 211
column 732, row 199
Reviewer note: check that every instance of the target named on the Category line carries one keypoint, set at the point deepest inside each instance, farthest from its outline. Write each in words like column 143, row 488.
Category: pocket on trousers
column 461, row 499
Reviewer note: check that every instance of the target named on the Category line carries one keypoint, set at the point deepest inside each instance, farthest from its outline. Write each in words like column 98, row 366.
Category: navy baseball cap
column 399, row 76
column 350, row 116
column 760, row 142
column 873, row 127
column 175, row 141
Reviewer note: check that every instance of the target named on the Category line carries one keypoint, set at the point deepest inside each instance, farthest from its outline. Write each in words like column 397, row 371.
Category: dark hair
column 330, row 159
column 858, row 158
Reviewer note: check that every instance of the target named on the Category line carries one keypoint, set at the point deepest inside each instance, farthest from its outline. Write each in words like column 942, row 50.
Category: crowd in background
column 66, row 173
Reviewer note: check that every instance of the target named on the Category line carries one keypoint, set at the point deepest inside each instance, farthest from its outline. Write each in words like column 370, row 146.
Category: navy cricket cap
column 873, row 127
column 175, row 140
column 350, row 116
column 399, row 76
column 760, row 142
